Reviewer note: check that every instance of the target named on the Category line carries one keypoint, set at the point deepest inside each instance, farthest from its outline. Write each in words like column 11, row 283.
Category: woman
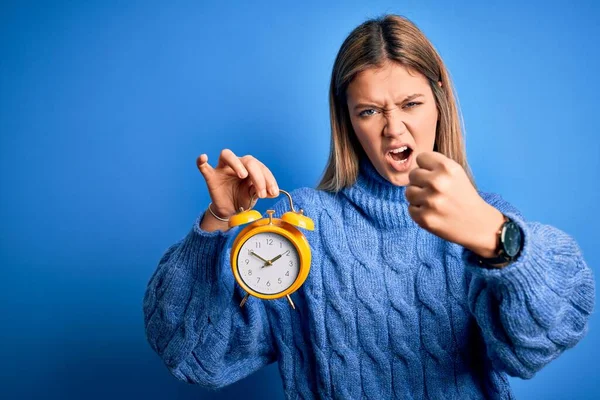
column 412, row 291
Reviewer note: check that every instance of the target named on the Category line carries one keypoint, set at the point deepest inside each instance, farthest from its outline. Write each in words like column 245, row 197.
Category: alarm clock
column 270, row 257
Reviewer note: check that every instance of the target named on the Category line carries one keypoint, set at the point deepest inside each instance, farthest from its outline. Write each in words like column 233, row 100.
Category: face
column 392, row 107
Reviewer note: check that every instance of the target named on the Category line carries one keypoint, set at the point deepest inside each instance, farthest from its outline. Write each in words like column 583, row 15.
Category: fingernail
column 263, row 193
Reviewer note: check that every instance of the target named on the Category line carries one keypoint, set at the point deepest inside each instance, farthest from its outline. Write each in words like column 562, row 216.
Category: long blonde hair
column 371, row 44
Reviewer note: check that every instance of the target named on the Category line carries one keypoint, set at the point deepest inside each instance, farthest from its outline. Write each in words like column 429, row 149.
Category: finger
column 255, row 172
column 420, row 177
column 252, row 194
column 229, row 159
column 203, row 166
column 416, row 196
column 272, row 187
column 415, row 213
column 430, row 160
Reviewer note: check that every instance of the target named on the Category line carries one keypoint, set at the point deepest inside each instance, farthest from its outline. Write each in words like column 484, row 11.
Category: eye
column 415, row 103
column 366, row 113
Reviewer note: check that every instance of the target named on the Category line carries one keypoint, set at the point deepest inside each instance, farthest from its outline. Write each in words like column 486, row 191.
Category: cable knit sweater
column 388, row 310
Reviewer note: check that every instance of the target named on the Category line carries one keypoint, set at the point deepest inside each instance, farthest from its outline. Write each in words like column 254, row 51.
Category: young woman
column 413, row 293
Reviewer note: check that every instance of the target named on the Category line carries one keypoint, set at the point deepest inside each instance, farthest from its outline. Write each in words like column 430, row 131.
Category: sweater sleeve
column 536, row 307
column 192, row 315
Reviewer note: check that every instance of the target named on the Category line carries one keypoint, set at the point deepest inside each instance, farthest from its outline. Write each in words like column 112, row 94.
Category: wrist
column 487, row 242
column 509, row 242
column 209, row 223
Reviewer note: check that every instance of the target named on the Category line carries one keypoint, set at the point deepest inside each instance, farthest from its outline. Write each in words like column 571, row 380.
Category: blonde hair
column 371, row 44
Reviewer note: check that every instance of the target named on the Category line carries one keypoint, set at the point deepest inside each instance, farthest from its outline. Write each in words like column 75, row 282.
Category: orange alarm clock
column 270, row 258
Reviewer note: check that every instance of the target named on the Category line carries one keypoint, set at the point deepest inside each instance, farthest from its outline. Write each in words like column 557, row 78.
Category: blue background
column 104, row 108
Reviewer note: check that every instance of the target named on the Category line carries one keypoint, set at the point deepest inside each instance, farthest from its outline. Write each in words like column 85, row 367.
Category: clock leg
column 291, row 302
column 244, row 299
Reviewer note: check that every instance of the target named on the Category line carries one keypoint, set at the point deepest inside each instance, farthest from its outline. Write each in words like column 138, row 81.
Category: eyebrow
column 407, row 98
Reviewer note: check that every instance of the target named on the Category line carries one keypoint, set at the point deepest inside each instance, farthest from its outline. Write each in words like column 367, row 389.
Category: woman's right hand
column 235, row 181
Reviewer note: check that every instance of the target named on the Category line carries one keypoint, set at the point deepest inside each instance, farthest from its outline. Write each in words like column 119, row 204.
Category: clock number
column 291, row 264
column 287, row 273
column 279, row 281
column 268, row 283
column 250, row 272
column 269, row 241
column 257, row 245
column 280, row 245
column 258, row 279
column 287, row 253
column 247, row 261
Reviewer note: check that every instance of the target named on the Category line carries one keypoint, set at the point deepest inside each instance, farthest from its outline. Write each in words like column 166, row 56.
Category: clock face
column 268, row 263
column 511, row 236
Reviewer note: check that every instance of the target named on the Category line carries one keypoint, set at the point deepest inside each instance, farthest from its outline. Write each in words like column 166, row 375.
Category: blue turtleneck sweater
column 388, row 310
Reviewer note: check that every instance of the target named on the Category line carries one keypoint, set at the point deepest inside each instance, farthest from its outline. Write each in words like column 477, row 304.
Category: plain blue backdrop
column 105, row 106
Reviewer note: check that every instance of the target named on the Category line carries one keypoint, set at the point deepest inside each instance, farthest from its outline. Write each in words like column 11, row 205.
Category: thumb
column 205, row 168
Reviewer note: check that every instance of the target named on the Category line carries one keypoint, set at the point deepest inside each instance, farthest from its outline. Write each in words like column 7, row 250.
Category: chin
column 391, row 175
column 399, row 180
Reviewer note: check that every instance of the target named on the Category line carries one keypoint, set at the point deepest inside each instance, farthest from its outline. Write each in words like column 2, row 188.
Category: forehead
column 391, row 80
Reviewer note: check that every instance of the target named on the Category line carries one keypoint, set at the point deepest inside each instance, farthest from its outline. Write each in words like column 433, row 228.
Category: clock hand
column 267, row 262
column 278, row 257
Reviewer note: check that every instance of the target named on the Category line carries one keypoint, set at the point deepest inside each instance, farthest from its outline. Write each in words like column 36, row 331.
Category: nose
column 394, row 124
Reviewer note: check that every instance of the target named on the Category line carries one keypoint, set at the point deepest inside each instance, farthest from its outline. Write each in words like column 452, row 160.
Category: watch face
column 511, row 238
column 268, row 263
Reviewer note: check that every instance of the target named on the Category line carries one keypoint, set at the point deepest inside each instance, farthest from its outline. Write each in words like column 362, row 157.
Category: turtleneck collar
column 382, row 202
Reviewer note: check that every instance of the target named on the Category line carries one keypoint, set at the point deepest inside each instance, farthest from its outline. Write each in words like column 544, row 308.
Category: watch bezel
column 507, row 251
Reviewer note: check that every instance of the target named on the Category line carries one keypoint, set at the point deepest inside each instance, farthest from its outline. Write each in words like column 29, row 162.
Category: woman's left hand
column 444, row 202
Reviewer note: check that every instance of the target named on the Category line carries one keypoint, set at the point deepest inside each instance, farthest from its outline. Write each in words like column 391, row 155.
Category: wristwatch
column 510, row 242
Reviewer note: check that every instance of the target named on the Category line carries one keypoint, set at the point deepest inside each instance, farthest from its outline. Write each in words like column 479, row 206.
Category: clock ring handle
column 290, row 198
column 281, row 190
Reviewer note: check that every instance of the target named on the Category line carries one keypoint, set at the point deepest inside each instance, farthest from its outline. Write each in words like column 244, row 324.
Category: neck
column 383, row 202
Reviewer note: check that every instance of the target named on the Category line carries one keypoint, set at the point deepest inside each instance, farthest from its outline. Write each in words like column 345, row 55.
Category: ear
column 440, row 83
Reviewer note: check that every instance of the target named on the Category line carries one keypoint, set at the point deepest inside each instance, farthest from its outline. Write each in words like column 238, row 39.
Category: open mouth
column 401, row 154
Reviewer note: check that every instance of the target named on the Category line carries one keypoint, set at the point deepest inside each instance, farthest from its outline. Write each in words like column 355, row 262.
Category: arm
column 536, row 307
column 192, row 315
